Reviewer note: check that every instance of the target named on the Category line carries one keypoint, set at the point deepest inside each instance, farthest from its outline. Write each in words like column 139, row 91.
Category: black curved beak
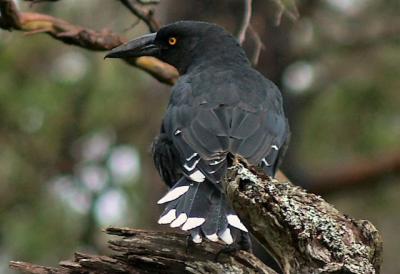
column 142, row 46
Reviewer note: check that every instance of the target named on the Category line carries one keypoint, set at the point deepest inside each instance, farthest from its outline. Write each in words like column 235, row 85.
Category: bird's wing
column 204, row 131
column 166, row 159
column 204, row 128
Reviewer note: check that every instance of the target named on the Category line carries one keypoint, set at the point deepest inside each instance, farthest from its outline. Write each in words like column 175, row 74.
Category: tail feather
column 202, row 209
column 196, row 235
column 216, row 220
column 169, row 213
column 175, row 192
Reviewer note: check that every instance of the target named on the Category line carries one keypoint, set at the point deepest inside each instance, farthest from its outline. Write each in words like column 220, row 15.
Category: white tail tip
column 226, row 236
column 234, row 221
column 192, row 223
column 212, row 237
column 197, row 239
column 167, row 218
column 197, row 176
column 173, row 194
column 180, row 220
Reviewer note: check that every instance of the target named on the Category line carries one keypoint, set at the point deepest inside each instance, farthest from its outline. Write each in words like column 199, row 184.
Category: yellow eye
column 172, row 41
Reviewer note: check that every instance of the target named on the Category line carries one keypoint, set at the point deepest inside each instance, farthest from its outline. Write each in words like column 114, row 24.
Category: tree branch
column 288, row 220
column 9, row 18
column 33, row 23
column 143, row 13
column 258, row 46
column 139, row 251
column 287, row 7
column 301, row 231
column 241, row 35
column 360, row 171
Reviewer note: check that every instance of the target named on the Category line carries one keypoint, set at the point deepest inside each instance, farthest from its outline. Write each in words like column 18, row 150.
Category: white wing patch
column 216, row 162
column 190, row 168
column 265, row 162
column 192, row 156
column 197, row 176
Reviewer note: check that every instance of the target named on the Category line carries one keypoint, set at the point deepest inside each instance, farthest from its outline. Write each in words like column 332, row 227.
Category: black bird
column 219, row 108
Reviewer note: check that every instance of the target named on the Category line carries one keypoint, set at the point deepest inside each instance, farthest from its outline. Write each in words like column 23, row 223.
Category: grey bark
column 140, row 251
column 304, row 233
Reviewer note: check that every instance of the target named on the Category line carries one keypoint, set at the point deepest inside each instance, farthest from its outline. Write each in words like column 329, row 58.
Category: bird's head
column 182, row 44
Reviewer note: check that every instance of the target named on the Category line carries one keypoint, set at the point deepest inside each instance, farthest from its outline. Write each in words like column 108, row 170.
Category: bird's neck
column 221, row 55
column 212, row 62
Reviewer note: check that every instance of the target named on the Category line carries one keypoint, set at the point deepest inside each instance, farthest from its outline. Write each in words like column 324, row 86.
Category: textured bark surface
column 302, row 232
column 139, row 251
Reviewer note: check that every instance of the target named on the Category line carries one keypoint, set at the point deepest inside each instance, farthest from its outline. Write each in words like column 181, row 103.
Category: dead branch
column 287, row 7
column 360, row 171
column 40, row 1
column 288, row 220
column 305, row 234
column 241, row 35
column 146, row 14
column 244, row 27
column 9, row 18
column 258, row 46
column 32, row 23
column 148, row 2
column 139, row 251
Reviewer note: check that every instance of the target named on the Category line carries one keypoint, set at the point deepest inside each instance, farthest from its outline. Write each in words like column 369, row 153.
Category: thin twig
column 33, row 2
column 148, row 2
column 245, row 21
column 38, row 1
column 258, row 47
column 287, row 7
column 145, row 14
column 134, row 24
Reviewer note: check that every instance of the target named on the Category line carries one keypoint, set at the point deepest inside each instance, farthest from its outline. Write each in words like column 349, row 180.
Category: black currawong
column 220, row 108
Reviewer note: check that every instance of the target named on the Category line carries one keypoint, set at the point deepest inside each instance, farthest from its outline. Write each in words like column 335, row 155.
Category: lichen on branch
column 289, row 220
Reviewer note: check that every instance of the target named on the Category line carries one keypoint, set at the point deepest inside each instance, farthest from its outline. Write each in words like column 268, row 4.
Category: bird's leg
column 189, row 243
column 245, row 242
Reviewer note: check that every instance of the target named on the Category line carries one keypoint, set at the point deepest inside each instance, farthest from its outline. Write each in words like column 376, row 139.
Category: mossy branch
column 304, row 233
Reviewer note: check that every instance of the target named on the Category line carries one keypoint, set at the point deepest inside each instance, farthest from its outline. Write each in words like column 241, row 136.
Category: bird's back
column 228, row 110
column 213, row 115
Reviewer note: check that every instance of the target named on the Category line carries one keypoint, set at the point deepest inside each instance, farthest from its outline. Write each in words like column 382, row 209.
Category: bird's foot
column 244, row 243
column 189, row 243
column 227, row 250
